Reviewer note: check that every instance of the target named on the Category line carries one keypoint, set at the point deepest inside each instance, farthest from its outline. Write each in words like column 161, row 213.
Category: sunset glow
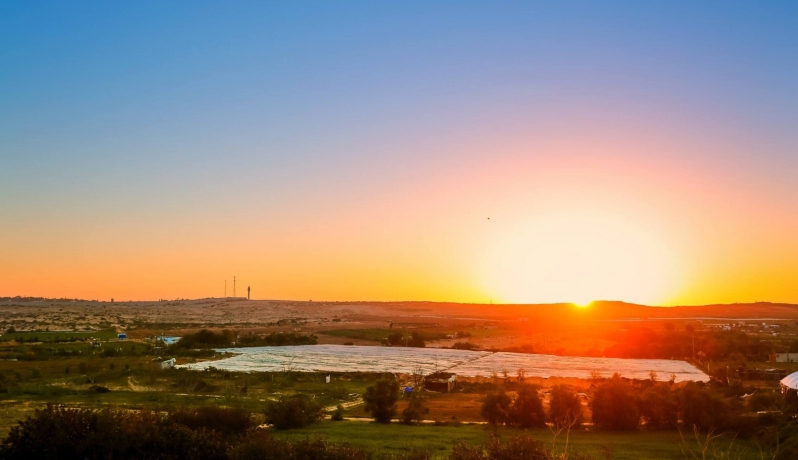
column 492, row 157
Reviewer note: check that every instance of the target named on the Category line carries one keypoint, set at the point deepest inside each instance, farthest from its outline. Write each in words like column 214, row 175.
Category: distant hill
column 602, row 310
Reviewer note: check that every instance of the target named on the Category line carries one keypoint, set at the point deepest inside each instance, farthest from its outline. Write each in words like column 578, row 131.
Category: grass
column 386, row 440
column 45, row 336
column 427, row 332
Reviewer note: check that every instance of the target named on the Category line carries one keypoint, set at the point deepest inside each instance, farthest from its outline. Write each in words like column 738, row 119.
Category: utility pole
column 247, row 292
column 234, row 287
column 225, row 289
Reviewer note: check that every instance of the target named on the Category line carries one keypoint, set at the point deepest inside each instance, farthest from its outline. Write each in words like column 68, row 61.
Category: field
column 58, row 336
column 40, row 366
column 385, row 440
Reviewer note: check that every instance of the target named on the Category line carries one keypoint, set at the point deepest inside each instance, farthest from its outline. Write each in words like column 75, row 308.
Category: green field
column 46, row 336
column 384, row 440
column 427, row 333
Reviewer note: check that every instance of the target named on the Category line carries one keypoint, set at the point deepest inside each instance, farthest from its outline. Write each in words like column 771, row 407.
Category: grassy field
column 427, row 332
column 45, row 336
column 384, row 440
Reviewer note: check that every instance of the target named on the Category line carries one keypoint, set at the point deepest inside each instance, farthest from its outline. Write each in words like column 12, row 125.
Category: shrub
column 380, row 400
column 615, row 405
column 565, row 409
column 338, row 414
column 527, row 409
column 293, row 412
column 416, row 409
column 58, row 432
column 227, row 421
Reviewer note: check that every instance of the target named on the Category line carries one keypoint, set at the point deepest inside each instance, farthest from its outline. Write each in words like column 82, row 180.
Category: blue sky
column 166, row 113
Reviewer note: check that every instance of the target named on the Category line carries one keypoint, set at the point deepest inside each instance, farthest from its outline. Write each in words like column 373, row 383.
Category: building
column 442, row 382
column 121, row 336
column 783, row 357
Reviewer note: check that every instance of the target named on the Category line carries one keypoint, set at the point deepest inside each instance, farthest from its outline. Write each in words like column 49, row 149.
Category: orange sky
column 510, row 152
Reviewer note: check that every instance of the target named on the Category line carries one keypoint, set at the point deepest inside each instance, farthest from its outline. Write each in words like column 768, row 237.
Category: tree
column 659, row 407
column 293, row 412
column 615, row 406
column 527, row 409
column 496, row 408
column 380, row 400
column 416, row 409
column 701, row 408
column 565, row 409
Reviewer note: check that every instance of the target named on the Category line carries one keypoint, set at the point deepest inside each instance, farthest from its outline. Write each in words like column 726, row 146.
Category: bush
column 58, row 432
column 293, row 412
column 338, row 414
column 527, row 409
column 276, row 339
column 496, row 408
column 565, row 409
column 615, row 405
column 205, row 339
column 227, row 421
column 380, row 400
column 416, row 409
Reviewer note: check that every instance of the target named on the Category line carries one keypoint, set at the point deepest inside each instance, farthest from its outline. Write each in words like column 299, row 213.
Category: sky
column 526, row 152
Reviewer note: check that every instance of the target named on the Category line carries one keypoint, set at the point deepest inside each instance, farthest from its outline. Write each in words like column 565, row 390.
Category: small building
column 168, row 364
column 783, row 357
column 442, row 382
column 121, row 336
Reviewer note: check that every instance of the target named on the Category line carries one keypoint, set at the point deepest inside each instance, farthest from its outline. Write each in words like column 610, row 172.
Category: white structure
column 789, row 383
column 784, row 357
column 169, row 363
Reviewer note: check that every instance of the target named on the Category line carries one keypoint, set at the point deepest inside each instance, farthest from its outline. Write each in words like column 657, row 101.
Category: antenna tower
column 234, row 287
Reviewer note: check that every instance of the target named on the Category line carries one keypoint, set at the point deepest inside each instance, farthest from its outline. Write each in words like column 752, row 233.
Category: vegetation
column 208, row 339
column 615, row 406
column 292, row 412
column 380, row 400
column 565, row 409
column 527, row 409
column 416, row 409
column 55, row 337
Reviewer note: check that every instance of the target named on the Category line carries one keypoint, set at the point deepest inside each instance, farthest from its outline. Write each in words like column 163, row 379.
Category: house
column 442, row 382
column 783, row 357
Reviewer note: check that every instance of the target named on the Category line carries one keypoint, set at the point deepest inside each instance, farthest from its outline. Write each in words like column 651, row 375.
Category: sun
column 583, row 304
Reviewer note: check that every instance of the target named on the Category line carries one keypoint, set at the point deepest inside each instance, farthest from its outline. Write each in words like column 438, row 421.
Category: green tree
column 565, row 409
column 615, row 405
column 527, row 409
column 702, row 408
column 496, row 408
column 659, row 406
column 380, row 400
